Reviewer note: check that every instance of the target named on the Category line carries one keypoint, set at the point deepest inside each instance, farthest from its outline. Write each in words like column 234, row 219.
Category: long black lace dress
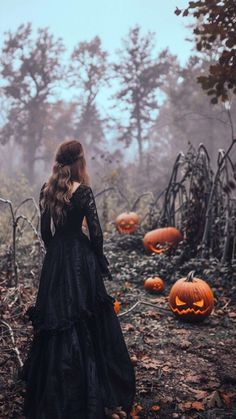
column 78, row 362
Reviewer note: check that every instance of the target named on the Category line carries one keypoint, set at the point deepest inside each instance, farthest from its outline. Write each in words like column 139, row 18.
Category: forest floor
column 183, row 370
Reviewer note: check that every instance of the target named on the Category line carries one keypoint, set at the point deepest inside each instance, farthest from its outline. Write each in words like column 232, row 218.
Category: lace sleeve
column 45, row 222
column 95, row 231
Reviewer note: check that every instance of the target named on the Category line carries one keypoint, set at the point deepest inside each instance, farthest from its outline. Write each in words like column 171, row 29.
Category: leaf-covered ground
column 183, row 370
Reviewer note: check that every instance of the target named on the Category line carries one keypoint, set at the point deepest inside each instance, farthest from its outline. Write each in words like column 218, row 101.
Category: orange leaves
column 228, row 398
column 215, row 400
column 150, row 363
column 136, row 409
column 191, row 405
column 155, row 408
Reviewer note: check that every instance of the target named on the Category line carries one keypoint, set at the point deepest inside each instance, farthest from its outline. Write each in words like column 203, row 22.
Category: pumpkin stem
column 190, row 276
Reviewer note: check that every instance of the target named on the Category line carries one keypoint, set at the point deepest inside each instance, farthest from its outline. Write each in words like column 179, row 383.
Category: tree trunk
column 139, row 137
column 30, row 169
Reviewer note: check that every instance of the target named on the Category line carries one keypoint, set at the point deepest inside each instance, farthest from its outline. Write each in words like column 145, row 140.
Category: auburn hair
column 69, row 166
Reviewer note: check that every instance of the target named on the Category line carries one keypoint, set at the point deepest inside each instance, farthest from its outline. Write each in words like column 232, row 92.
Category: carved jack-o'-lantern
column 116, row 306
column 127, row 222
column 191, row 298
column 162, row 239
column 154, row 284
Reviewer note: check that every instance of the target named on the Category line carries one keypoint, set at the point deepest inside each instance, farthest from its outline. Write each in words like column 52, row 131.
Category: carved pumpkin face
column 116, row 306
column 154, row 284
column 162, row 239
column 127, row 222
column 191, row 298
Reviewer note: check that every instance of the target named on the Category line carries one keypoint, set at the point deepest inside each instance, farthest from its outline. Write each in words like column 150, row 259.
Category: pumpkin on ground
column 154, row 284
column 191, row 298
column 116, row 306
column 127, row 222
column 162, row 239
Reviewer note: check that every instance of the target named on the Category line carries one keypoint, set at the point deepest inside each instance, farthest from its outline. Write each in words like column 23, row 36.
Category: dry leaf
column 134, row 360
column 232, row 314
column 190, row 378
column 200, row 394
column 214, row 400
column 135, row 410
column 185, row 406
column 166, row 368
column 198, row 406
column 191, row 405
column 185, row 344
column 227, row 399
column 155, row 408
column 128, row 327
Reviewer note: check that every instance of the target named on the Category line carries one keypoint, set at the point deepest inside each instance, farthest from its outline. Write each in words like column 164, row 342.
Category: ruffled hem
column 77, row 373
column 34, row 315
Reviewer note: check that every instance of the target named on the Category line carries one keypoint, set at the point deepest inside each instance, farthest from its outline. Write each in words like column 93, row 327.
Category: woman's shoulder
column 83, row 195
column 84, row 188
column 82, row 191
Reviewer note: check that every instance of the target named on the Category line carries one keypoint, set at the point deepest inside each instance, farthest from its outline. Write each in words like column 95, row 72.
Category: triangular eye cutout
column 178, row 301
column 199, row 303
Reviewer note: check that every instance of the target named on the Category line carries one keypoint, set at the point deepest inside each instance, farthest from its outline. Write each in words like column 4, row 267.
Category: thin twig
column 143, row 302
column 15, row 349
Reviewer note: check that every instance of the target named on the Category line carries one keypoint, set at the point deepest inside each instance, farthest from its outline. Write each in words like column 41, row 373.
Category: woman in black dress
column 78, row 365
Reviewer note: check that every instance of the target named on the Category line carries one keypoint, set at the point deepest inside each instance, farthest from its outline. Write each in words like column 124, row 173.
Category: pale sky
column 77, row 20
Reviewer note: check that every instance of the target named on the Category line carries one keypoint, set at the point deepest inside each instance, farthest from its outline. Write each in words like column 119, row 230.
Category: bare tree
column 139, row 75
column 88, row 75
column 30, row 69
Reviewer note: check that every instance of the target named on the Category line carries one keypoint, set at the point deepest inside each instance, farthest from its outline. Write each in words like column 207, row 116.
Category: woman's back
column 78, row 364
column 82, row 204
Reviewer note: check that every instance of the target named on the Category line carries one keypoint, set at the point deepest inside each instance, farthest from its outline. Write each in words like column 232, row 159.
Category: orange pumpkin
column 191, row 298
column 154, row 284
column 127, row 222
column 162, row 239
column 116, row 306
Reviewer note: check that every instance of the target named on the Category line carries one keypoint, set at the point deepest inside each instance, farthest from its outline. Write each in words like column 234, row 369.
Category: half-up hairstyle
column 69, row 166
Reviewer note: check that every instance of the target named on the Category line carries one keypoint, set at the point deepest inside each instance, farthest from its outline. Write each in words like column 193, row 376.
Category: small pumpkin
column 127, row 222
column 191, row 298
column 154, row 284
column 162, row 239
column 116, row 305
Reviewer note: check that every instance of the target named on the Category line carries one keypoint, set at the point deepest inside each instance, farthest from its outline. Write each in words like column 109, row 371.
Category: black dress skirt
column 78, row 362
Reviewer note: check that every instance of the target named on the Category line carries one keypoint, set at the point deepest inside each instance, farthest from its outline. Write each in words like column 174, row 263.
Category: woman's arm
column 45, row 221
column 95, row 231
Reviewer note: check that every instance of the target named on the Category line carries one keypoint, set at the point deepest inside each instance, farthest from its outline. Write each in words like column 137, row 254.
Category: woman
column 78, row 365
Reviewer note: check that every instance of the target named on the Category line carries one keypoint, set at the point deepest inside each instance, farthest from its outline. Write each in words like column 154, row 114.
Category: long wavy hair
column 69, row 166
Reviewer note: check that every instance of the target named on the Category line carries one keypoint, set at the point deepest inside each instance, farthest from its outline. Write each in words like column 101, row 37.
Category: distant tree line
column 160, row 106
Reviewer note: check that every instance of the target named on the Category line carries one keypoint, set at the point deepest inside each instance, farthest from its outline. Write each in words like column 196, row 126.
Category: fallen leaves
column 150, row 363
column 228, row 398
column 128, row 327
column 136, row 409
column 192, row 378
column 191, row 405
column 179, row 367
column 214, row 400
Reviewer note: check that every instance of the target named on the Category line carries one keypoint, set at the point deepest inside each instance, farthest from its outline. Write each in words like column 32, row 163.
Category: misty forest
column 161, row 155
